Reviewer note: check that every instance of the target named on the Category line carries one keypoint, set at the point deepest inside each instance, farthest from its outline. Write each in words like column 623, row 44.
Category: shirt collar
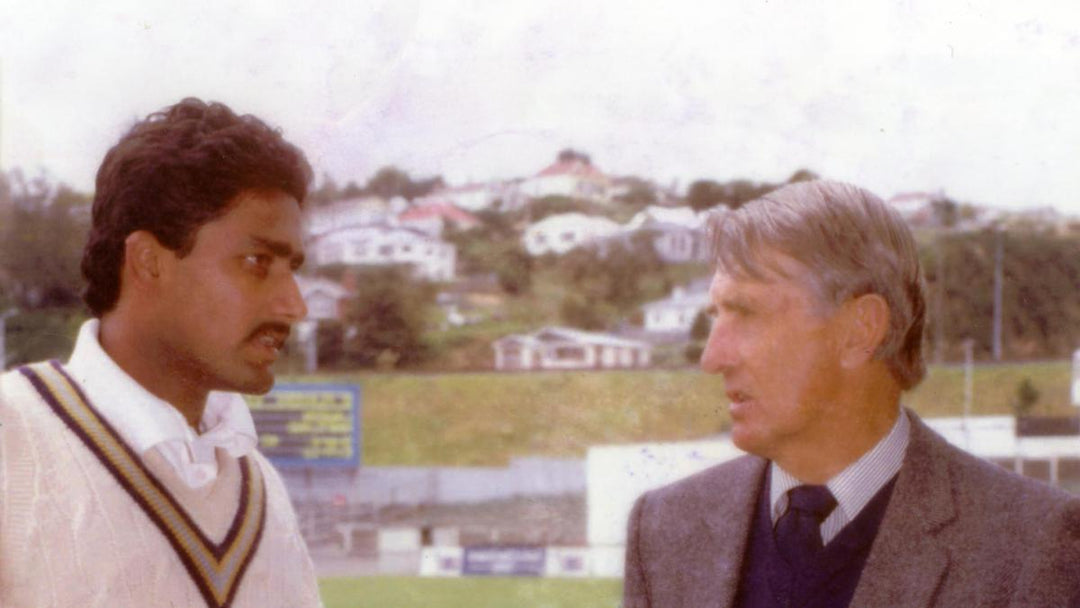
column 856, row 485
column 147, row 422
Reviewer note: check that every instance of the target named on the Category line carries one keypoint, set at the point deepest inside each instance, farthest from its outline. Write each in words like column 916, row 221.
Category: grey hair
column 850, row 242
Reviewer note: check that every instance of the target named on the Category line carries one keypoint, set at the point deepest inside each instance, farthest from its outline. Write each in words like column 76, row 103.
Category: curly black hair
column 175, row 171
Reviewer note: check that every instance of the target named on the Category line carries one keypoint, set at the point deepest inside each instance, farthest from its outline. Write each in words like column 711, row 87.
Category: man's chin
column 745, row 439
column 257, row 383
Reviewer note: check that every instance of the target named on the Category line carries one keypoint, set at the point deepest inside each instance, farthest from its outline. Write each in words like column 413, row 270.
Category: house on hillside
column 432, row 218
column 350, row 213
column 382, row 245
column 561, row 233
column 573, row 177
column 471, row 197
column 500, row 195
column 675, row 314
column 566, row 348
column 677, row 233
column 917, row 208
column 322, row 297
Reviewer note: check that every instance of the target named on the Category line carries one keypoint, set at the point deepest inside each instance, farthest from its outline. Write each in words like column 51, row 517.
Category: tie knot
column 815, row 500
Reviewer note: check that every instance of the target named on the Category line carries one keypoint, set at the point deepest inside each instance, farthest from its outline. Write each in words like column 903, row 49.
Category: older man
column 846, row 498
column 129, row 476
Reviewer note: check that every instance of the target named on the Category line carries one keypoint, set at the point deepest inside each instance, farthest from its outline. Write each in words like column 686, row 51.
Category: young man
column 847, row 499
column 129, row 476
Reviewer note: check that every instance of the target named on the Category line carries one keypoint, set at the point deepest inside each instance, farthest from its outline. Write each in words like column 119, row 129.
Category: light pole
column 999, row 279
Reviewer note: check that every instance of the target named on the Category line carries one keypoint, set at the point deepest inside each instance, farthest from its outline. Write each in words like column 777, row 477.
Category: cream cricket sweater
column 86, row 522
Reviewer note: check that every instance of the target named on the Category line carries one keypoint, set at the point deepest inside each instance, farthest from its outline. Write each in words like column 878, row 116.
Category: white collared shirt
column 146, row 422
column 853, row 487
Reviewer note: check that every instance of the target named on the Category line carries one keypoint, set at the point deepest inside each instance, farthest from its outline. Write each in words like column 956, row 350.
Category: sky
column 979, row 99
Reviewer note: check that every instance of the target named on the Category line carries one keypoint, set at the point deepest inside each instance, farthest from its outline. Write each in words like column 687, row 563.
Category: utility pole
column 969, row 386
column 999, row 279
column 939, row 303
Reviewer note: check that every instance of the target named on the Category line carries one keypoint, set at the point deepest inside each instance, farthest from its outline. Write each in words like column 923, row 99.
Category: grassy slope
column 394, row 592
column 488, row 418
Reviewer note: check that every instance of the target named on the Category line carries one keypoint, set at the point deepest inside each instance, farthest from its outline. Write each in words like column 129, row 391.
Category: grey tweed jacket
column 958, row 531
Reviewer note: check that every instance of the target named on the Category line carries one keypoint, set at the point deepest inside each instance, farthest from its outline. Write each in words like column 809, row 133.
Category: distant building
column 676, row 313
column 432, row 218
column 382, row 245
column 561, row 233
column 575, row 178
column 322, row 297
column 471, row 197
column 677, row 233
column 348, row 213
column 565, row 348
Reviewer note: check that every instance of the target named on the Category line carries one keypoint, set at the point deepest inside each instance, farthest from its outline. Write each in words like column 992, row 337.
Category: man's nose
column 719, row 349
column 289, row 302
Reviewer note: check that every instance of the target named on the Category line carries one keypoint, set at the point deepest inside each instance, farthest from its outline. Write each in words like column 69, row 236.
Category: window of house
column 570, row 353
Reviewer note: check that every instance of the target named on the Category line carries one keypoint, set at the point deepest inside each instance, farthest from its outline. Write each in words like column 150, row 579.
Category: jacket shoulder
column 706, row 487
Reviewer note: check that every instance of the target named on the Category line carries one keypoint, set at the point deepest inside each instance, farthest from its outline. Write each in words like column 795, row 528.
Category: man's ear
column 867, row 324
column 143, row 258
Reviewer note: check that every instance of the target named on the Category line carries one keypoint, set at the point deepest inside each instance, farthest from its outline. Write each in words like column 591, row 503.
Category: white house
column 566, row 348
column 432, row 218
column 322, row 297
column 381, row 245
column 561, row 233
column 574, row 178
column 678, row 233
column 477, row 196
column 348, row 213
column 676, row 313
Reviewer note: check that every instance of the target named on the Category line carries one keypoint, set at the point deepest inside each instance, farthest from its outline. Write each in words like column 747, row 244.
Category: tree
column 582, row 312
column 513, row 267
column 704, row 194
column 802, row 175
column 391, row 181
column 325, row 193
column 946, row 211
column 640, row 193
column 1026, row 397
column 388, row 182
column 41, row 238
column 570, row 155
column 555, row 204
column 352, row 190
column 610, row 281
column 385, row 319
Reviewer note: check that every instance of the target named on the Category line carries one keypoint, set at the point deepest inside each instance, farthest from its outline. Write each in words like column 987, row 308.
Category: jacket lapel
column 907, row 562
column 728, row 519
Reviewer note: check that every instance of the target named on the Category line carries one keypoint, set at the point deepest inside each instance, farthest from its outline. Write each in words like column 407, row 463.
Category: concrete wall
column 381, row 486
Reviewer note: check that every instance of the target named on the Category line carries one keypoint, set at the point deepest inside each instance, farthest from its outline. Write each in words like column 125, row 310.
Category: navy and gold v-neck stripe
column 216, row 568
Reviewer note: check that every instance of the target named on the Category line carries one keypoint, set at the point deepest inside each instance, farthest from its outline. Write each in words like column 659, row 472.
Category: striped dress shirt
column 853, row 487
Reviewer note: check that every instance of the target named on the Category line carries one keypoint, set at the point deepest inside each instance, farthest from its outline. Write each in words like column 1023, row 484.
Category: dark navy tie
column 798, row 532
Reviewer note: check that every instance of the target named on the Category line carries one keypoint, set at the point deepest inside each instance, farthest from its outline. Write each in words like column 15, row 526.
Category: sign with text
column 309, row 425
column 504, row 561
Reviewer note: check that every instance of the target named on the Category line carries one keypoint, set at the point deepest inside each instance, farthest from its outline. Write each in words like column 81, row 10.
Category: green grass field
column 412, row 592
column 488, row 418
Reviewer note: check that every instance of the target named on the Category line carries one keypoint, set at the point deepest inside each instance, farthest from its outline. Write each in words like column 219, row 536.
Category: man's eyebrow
column 280, row 249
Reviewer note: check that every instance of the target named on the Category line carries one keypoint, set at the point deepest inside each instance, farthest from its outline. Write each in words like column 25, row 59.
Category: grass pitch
column 484, row 419
column 412, row 592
